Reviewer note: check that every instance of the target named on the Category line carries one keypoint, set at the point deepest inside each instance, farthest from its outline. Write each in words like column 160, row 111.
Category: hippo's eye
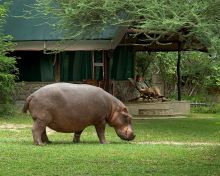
column 127, row 119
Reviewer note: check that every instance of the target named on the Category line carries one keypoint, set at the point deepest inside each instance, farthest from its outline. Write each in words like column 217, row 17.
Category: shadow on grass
column 58, row 143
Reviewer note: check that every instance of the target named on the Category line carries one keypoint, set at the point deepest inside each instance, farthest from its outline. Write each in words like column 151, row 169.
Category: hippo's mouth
column 125, row 134
column 127, row 138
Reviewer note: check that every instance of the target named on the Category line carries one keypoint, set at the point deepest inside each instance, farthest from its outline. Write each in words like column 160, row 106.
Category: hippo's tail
column 26, row 104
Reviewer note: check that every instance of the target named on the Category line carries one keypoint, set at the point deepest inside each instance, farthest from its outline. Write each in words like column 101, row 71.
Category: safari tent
column 105, row 58
column 95, row 57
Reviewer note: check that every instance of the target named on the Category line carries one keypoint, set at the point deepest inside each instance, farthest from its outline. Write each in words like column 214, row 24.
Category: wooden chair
column 142, row 95
column 153, row 93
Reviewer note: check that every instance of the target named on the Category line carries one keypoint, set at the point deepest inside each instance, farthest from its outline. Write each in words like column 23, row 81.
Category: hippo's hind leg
column 44, row 137
column 76, row 138
column 38, row 129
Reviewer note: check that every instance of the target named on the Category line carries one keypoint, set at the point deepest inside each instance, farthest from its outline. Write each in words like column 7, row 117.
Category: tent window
column 34, row 66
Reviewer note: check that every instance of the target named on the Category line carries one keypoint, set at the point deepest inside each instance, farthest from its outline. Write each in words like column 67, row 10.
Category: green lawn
column 18, row 155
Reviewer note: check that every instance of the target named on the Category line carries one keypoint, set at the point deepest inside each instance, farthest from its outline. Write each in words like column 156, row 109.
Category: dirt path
column 178, row 143
column 8, row 126
column 16, row 127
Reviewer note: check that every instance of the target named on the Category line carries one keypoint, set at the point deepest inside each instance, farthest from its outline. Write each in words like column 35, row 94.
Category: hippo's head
column 121, row 121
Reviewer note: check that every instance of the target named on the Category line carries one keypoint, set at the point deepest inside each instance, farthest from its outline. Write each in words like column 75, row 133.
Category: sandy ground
column 177, row 143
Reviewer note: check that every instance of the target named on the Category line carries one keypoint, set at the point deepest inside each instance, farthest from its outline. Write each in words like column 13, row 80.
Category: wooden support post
column 93, row 67
column 103, row 64
column 106, row 71
column 57, row 68
column 178, row 70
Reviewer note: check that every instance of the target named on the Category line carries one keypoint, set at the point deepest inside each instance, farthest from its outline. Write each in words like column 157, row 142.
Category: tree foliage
column 189, row 18
column 143, row 64
column 199, row 72
column 8, row 69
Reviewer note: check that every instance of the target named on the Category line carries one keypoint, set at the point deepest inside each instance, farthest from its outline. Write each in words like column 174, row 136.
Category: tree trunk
column 179, row 75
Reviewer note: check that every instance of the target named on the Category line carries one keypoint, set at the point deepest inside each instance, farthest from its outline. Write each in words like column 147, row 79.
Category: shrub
column 7, row 64
column 210, row 108
column 8, row 72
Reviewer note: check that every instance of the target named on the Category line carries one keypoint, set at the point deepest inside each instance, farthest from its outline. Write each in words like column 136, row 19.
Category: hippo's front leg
column 100, row 129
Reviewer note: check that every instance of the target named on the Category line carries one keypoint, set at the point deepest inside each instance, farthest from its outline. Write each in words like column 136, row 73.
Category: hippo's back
column 69, row 107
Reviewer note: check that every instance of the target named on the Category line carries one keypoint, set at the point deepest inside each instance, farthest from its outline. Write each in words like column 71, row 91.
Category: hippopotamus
column 70, row 108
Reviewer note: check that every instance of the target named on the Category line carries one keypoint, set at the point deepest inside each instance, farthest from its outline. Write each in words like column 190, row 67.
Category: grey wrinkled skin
column 70, row 108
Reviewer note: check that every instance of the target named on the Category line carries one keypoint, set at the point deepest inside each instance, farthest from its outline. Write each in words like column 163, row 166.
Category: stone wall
column 123, row 90
column 24, row 89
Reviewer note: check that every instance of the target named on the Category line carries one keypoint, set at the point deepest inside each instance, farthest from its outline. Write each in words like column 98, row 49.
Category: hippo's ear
column 126, row 113
column 124, row 110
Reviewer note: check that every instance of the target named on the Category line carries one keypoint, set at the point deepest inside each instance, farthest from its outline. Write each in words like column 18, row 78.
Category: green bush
column 210, row 108
column 8, row 69
column 8, row 72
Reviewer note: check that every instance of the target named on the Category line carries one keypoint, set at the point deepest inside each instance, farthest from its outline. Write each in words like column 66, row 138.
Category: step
column 156, row 111
column 158, row 117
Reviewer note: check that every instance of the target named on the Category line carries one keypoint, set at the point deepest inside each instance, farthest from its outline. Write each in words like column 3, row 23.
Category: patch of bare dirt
column 13, row 126
column 16, row 127
column 179, row 143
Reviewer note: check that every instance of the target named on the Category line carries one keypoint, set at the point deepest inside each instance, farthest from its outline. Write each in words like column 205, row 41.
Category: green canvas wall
column 75, row 66
column 47, row 68
column 122, row 64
